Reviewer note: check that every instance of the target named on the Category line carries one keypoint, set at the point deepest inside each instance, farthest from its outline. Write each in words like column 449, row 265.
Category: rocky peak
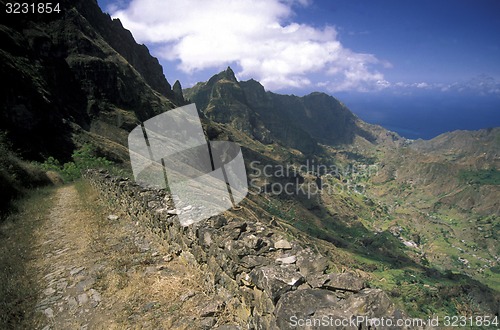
column 226, row 75
column 178, row 94
column 121, row 40
column 229, row 74
column 296, row 122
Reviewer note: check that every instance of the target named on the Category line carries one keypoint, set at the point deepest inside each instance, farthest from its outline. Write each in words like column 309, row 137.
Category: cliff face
column 75, row 70
column 296, row 122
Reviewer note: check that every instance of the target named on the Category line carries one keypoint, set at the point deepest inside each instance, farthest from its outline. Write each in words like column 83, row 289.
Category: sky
column 380, row 57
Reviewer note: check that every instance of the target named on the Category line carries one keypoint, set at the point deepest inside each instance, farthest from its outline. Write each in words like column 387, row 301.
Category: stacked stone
column 268, row 279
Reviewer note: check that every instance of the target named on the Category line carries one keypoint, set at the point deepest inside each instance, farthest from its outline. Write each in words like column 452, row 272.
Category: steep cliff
column 75, row 72
column 295, row 122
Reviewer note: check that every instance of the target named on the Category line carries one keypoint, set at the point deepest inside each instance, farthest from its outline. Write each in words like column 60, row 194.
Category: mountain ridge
column 79, row 67
column 298, row 122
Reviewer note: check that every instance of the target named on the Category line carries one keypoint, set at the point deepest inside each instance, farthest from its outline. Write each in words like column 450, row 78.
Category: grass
column 18, row 288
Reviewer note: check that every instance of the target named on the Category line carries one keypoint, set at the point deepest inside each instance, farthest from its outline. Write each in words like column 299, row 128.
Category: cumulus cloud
column 259, row 37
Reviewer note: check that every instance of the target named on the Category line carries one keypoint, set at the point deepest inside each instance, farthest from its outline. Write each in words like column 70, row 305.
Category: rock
column 217, row 222
column 276, row 280
column 75, row 271
column 96, row 296
column 49, row 312
column 311, row 263
column 85, row 284
column 228, row 327
column 112, row 217
column 177, row 90
column 287, row 260
column 303, row 304
column 245, row 279
column 49, row 291
column 186, row 296
column 83, row 299
column 72, row 303
column 251, row 261
column 317, row 304
column 411, row 244
column 210, row 309
column 373, row 303
column 335, row 281
column 282, row 244
column 62, row 285
column 207, row 323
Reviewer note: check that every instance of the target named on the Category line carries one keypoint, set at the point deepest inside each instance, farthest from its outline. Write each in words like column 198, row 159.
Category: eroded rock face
column 75, row 70
column 267, row 279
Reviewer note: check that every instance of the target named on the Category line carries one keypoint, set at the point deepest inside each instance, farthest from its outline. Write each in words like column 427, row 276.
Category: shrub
column 83, row 159
column 488, row 176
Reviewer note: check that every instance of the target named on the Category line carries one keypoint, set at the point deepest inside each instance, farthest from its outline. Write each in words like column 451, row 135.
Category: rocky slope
column 444, row 197
column 75, row 72
column 296, row 122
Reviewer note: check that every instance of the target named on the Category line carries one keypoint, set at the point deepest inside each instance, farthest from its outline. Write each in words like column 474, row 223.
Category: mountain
column 73, row 77
column 296, row 122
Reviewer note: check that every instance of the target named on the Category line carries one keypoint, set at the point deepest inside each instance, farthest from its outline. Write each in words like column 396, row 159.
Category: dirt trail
column 63, row 260
column 100, row 271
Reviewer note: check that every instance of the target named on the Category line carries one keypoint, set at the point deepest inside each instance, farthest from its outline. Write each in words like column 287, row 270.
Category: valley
column 418, row 219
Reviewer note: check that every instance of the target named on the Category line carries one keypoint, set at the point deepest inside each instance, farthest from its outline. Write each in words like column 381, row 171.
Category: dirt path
column 68, row 299
column 97, row 270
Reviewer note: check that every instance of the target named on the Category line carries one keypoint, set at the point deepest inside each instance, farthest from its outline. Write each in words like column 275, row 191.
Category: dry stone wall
column 264, row 277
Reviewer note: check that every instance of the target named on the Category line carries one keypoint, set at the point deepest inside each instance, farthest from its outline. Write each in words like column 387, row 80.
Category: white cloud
column 258, row 36
column 482, row 85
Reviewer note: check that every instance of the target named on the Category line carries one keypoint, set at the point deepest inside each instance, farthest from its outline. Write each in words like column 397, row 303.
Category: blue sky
column 357, row 50
column 433, row 41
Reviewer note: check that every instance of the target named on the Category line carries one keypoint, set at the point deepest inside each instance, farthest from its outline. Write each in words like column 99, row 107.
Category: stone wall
column 268, row 279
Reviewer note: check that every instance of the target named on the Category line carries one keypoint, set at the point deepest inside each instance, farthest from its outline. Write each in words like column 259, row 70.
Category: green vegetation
column 276, row 208
column 489, row 176
column 83, row 159
column 17, row 175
